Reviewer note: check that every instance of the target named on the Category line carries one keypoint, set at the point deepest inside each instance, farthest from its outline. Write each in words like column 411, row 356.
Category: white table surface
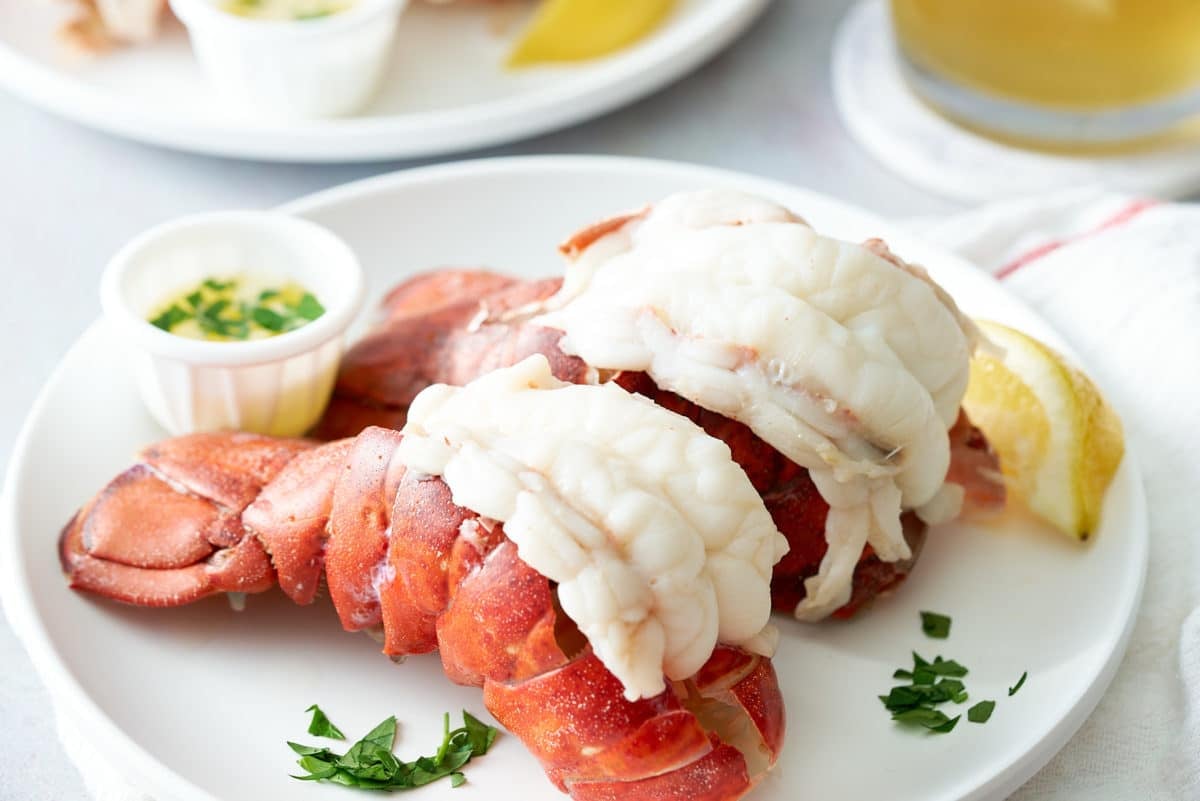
column 70, row 197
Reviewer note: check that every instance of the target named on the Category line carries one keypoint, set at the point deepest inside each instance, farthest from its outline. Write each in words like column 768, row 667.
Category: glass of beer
column 1054, row 71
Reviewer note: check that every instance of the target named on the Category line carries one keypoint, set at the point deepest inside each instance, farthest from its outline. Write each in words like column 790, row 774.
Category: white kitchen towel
column 1120, row 279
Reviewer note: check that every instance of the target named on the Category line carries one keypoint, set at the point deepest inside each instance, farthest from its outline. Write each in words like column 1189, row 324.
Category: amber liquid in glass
column 1074, row 56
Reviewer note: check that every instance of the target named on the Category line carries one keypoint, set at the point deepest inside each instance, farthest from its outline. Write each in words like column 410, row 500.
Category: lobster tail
column 213, row 513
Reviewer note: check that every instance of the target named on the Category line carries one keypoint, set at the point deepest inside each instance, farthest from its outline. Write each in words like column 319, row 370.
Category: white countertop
column 71, row 197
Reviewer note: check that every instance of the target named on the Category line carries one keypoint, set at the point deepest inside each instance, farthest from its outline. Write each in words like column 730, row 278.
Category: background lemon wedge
column 574, row 30
column 1058, row 440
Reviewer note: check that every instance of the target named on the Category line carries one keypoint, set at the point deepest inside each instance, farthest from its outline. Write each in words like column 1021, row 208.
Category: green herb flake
column 309, row 750
column 935, row 625
column 480, row 735
column 930, row 719
column 214, row 309
column 948, row 726
column 226, row 329
column 321, row 726
column 170, row 318
column 901, row 698
column 309, row 307
column 268, row 319
column 1020, row 682
column 948, row 667
column 924, row 675
column 370, row 763
column 931, row 684
column 981, row 712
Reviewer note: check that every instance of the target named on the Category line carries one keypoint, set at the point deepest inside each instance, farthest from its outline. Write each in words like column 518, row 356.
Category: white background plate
column 195, row 704
column 446, row 89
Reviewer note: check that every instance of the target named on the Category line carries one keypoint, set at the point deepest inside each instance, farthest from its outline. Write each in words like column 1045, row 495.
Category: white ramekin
column 279, row 385
column 323, row 67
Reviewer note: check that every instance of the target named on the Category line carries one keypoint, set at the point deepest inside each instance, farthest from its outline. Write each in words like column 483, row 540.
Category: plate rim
column 626, row 78
column 158, row 777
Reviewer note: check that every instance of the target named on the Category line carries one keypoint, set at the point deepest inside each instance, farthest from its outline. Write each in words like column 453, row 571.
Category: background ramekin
column 279, row 385
column 322, row 67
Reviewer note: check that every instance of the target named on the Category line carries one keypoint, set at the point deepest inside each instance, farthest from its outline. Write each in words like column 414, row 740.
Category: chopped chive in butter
column 231, row 309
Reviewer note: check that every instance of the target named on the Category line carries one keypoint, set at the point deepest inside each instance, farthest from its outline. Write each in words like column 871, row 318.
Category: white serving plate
column 445, row 90
column 194, row 704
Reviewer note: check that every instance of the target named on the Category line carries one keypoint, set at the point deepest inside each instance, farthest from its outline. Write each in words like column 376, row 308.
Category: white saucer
column 887, row 119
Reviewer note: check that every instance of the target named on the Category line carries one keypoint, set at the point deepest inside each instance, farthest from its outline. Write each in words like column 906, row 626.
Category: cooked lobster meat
column 597, row 564
column 100, row 25
column 834, row 371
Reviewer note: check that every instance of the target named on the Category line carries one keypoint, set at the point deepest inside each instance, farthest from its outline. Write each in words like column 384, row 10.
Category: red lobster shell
column 212, row 513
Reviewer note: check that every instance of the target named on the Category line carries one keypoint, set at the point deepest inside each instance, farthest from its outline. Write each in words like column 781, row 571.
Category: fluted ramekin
column 278, row 385
column 323, row 67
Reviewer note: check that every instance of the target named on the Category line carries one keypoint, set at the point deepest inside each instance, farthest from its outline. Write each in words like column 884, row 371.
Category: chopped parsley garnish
column 934, row 683
column 370, row 763
column 321, row 725
column 902, row 697
column 935, row 625
column 947, row 667
column 931, row 719
column 227, row 310
column 981, row 712
column 948, row 726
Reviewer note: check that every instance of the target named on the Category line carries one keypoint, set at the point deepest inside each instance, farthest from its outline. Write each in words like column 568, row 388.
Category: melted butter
column 285, row 10
column 235, row 309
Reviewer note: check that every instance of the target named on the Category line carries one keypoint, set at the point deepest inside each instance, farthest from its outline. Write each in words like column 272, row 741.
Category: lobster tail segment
column 596, row 744
column 169, row 530
column 597, row 564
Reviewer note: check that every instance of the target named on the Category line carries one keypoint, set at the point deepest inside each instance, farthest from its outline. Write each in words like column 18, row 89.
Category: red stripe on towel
column 1120, row 218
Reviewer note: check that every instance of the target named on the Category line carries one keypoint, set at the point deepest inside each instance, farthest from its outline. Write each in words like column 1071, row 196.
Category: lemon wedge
column 575, row 30
column 1058, row 440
